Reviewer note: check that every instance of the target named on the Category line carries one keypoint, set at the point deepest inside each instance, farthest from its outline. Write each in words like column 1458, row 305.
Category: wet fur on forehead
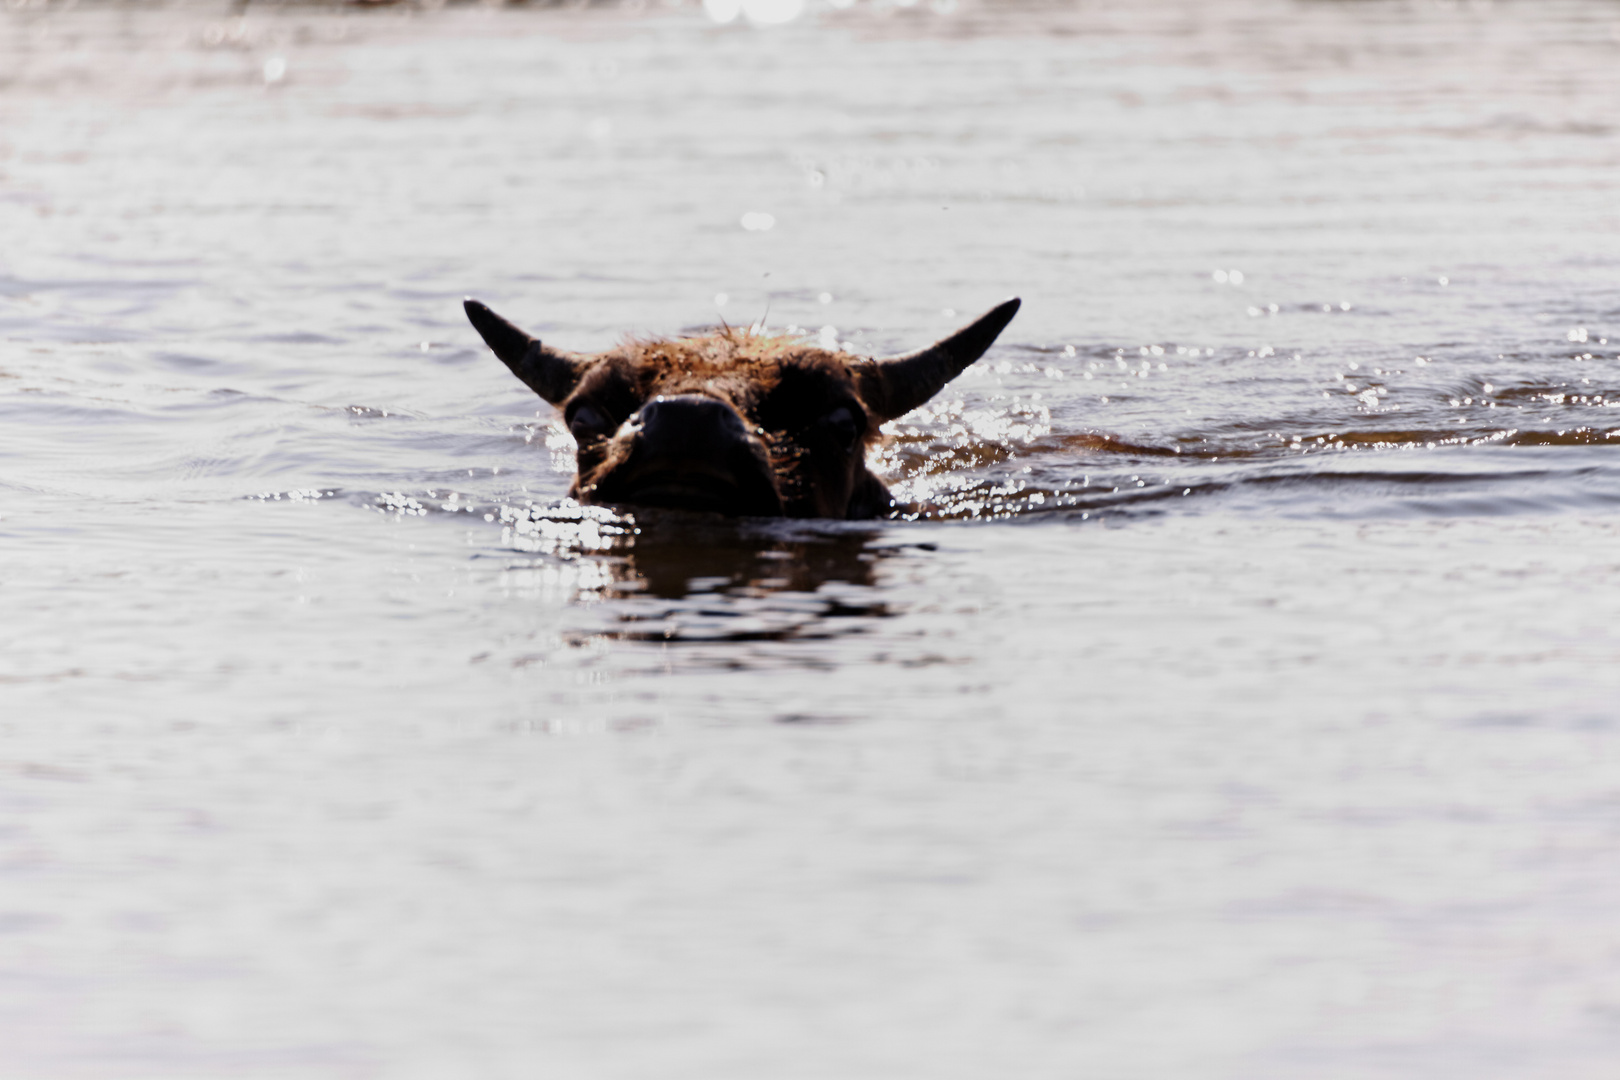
column 744, row 368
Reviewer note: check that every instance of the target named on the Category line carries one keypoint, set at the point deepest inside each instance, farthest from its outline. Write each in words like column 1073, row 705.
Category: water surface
column 1235, row 699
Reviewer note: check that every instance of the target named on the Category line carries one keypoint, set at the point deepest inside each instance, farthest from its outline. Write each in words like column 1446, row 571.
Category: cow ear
column 892, row 386
column 549, row 372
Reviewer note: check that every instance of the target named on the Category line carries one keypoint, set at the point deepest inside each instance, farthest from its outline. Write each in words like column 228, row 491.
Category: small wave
column 1497, row 480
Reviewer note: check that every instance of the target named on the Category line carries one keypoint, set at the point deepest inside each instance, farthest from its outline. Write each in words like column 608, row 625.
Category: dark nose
column 690, row 426
column 693, row 452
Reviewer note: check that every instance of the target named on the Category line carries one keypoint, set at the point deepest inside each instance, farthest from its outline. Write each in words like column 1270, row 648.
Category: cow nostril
column 692, row 412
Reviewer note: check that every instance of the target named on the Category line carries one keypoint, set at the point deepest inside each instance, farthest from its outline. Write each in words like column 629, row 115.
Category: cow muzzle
column 692, row 452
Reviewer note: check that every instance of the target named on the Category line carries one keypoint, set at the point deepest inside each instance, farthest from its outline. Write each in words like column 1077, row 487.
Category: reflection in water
column 673, row 555
column 676, row 576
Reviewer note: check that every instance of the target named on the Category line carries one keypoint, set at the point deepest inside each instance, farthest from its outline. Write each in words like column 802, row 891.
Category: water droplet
column 758, row 221
column 275, row 69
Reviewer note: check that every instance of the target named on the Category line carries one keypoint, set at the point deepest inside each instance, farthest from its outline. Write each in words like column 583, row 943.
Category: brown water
column 1239, row 699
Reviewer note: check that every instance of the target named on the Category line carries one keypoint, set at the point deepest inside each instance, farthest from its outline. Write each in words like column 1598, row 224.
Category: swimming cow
column 733, row 422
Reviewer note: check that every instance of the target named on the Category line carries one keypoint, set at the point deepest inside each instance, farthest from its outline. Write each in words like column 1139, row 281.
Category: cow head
column 733, row 422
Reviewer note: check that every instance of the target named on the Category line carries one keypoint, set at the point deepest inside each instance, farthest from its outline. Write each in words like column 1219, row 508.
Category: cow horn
column 549, row 372
column 894, row 385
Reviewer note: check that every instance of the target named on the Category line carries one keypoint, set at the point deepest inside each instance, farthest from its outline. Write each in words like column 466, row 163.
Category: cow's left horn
column 894, row 385
column 549, row 372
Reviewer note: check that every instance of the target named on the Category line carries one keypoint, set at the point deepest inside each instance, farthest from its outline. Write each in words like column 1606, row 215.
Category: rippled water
column 1236, row 699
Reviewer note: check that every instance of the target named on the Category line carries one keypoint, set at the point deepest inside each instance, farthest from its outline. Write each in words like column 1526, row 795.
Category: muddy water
column 1237, row 698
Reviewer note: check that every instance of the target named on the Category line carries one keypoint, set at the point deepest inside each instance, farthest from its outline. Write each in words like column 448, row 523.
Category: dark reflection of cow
column 732, row 422
column 674, row 556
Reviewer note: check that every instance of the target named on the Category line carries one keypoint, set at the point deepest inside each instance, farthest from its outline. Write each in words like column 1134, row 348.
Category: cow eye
column 588, row 422
column 841, row 427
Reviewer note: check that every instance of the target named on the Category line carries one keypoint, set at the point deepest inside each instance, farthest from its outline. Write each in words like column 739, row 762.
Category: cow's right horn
column 549, row 372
